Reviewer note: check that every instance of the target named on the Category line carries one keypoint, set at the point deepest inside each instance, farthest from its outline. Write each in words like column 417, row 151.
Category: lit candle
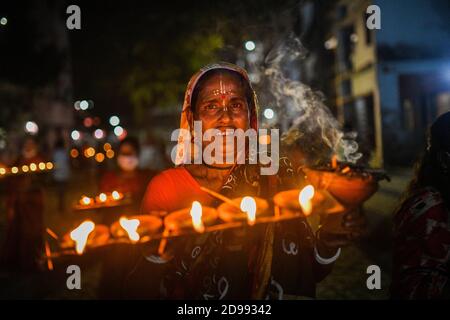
column 292, row 202
column 244, row 209
column 248, row 205
column 81, row 234
column 130, row 226
column 196, row 214
column 85, row 201
column 137, row 227
column 102, row 197
column 305, row 199
column 116, row 195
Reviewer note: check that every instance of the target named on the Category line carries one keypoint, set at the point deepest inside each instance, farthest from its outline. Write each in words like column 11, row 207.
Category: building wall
column 358, row 107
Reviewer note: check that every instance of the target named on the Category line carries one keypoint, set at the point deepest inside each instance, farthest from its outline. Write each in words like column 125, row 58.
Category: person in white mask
column 128, row 178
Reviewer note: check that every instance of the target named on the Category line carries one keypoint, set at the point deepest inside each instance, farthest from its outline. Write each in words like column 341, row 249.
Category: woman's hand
column 341, row 230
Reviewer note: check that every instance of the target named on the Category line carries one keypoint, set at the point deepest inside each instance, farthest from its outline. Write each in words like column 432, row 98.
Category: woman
column 421, row 257
column 25, row 214
column 271, row 261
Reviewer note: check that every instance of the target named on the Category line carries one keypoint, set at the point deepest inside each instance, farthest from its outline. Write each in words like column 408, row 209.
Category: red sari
column 173, row 189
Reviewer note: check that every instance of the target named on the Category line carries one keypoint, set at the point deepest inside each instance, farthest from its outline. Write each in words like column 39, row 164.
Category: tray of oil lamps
column 349, row 184
column 87, row 234
column 103, row 200
column 182, row 219
column 144, row 225
column 230, row 213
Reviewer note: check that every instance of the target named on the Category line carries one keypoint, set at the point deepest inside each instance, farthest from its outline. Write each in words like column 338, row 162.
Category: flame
column 305, row 198
column 41, row 166
column 248, row 205
column 110, row 154
column 80, row 235
column 25, row 168
column 116, row 195
column 102, row 197
column 196, row 214
column 49, row 165
column 86, row 200
column 14, row 170
column 33, row 167
column 334, row 163
column 130, row 226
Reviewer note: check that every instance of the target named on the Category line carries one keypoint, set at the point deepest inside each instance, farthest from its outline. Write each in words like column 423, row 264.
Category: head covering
column 187, row 108
column 440, row 133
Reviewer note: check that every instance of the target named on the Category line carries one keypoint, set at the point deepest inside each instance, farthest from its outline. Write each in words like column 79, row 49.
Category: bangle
column 325, row 261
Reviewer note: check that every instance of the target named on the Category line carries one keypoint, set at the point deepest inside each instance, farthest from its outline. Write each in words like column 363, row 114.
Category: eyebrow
column 216, row 99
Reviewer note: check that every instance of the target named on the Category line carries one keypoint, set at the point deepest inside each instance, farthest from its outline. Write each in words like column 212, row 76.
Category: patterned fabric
column 421, row 247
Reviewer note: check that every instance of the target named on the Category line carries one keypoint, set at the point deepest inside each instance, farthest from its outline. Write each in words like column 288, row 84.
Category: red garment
column 421, row 247
column 173, row 189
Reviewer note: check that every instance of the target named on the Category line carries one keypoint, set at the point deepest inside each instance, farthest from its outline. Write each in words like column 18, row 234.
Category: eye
column 211, row 107
column 237, row 106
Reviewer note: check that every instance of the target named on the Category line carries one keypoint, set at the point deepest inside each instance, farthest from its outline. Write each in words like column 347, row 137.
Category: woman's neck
column 210, row 177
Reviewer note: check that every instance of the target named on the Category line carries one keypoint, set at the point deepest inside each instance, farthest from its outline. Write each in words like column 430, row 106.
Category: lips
column 225, row 131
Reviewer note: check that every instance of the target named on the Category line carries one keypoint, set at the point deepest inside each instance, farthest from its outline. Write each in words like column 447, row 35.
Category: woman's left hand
column 342, row 230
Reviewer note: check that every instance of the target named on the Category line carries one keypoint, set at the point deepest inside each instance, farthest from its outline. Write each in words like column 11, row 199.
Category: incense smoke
column 311, row 128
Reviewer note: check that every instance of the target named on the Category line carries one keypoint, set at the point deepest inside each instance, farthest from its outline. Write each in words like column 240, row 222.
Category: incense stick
column 51, row 233
column 221, row 197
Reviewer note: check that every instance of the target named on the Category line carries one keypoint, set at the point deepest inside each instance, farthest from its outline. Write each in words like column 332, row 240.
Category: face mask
column 29, row 153
column 127, row 163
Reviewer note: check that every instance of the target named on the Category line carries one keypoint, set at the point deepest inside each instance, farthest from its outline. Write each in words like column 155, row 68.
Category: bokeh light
column 114, row 121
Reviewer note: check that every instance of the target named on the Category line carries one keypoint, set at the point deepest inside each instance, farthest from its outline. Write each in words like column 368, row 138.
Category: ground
column 347, row 281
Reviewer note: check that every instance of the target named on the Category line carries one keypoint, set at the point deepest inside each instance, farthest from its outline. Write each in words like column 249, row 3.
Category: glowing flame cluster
column 81, row 234
column 248, row 205
column 101, row 198
column 196, row 214
column 130, row 226
column 32, row 167
column 305, row 199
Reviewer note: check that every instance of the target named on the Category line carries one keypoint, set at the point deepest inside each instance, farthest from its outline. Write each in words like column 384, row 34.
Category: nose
column 225, row 116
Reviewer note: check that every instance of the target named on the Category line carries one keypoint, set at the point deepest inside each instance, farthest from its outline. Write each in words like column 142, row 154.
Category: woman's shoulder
column 167, row 189
column 172, row 174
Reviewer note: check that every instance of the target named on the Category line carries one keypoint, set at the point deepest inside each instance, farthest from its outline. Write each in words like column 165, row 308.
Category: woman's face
column 222, row 105
column 127, row 158
column 30, row 149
